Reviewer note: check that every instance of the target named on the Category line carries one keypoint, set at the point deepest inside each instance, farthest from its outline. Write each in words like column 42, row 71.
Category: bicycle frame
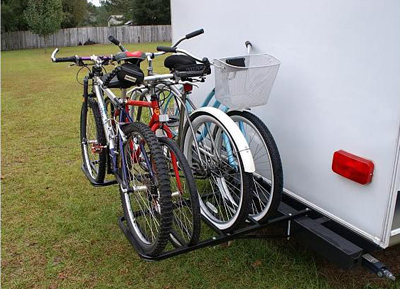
column 189, row 106
column 115, row 135
column 154, row 124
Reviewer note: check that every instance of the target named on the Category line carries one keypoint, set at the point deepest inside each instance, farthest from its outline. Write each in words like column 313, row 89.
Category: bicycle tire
column 268, row 178
column 186, row 209
column 109, row 107
column 91, row 123
column 155, row 202
column 235, row 205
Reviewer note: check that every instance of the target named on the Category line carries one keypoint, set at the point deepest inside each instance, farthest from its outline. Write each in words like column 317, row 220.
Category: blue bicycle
column 175, row 102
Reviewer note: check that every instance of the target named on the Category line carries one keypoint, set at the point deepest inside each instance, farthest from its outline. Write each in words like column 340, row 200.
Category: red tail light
column 187, row 87
column 352, row 167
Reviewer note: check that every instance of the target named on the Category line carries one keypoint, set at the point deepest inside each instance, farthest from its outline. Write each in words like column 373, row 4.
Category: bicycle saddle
column 179, row 62
column 132, row 57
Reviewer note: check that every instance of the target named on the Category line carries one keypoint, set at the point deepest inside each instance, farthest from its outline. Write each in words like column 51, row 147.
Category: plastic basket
column 245, row 81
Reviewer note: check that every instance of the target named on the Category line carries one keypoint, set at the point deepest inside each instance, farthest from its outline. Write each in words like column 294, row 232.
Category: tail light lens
column 353, row 167
column 187, row 87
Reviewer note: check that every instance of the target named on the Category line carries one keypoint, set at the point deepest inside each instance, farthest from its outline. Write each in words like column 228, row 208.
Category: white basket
column 239, row 87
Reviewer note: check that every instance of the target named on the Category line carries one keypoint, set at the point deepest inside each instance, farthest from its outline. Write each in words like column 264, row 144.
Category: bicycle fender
column 236, row 134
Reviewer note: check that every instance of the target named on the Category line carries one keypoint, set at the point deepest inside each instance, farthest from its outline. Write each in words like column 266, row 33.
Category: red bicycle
column 186, row 210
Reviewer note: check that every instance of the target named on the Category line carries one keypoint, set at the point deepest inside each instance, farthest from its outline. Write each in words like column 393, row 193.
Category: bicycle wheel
column 222, row 183
column 93, row 141
column 186, row 210
column 268, row 177
column 146, row 197
column 110, row 108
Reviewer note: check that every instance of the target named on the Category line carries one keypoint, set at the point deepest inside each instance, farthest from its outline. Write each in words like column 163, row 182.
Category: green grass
column 60, row 232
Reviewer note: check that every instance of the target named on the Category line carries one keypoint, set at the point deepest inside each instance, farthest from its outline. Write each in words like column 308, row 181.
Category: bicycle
column 268, row 175
column 186, row 212
column 130, row 150
column 223, row 170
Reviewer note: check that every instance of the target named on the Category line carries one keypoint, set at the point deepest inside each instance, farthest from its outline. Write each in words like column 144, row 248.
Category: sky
column 95, row 2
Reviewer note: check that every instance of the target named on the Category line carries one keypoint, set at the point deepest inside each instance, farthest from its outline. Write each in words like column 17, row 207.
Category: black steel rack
column 219, row 238
column 308, row 226
column 319, row 233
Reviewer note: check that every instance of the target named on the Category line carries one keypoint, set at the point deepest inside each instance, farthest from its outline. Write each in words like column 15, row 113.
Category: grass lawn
column 60, row 232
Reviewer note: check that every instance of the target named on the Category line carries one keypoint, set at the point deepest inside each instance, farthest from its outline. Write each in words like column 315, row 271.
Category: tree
column 150, row 12
column 103, row 12
column 44, row 17
column 95, row 16
column 116, row 6
column 142, row 12
column 12, row 16
column 74, row 12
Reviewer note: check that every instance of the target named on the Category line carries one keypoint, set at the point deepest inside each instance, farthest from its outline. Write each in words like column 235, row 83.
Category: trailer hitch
column 377, row 267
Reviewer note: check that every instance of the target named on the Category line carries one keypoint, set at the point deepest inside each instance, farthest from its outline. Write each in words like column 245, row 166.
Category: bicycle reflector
column 352, row 167
column 187, row 87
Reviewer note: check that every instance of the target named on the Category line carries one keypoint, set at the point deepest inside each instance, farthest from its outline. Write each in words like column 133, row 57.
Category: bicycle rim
column 92, row 141
column 147, row 196
column 268, row 177
column 220, row 178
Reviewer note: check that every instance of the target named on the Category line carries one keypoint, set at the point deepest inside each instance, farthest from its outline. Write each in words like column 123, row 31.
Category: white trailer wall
column 338, row 88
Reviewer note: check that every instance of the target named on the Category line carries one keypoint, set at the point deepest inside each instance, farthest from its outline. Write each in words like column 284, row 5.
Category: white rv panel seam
column 393, row 196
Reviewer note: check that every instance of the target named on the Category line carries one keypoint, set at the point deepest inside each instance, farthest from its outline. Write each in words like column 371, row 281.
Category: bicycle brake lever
column 192, row 83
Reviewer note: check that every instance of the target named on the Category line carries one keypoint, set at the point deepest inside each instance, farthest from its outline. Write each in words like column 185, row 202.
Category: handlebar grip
column 113, row 40
column 66, row 59
column 166, row 49
column 186, row 74
column 194, row 33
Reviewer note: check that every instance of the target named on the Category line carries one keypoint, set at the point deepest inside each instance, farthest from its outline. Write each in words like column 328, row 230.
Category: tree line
column 19, row 15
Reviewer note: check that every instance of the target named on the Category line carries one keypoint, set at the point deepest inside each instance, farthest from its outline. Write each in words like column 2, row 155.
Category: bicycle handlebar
column 66, row 59
column 113, row 40
column 76, row 58
column 117, row 42
column 174, row 48
column 189, row 74
column 194, row 33
column 167, row 49
column 188, row 36
column 62, row 59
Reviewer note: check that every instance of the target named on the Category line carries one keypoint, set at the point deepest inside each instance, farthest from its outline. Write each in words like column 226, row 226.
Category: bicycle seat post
column 150, row 65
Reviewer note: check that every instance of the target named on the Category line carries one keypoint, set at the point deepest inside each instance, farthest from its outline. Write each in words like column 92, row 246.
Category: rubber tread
column 194, row 197
column 164, row 188
column 91, row 103
column 275, row 160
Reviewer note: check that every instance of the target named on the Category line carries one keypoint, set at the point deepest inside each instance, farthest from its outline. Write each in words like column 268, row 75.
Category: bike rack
column 219, row 238
column 96, row 184
column 317, row 232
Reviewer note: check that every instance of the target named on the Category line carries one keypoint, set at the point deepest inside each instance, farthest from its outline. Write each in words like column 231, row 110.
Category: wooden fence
column 76, row 36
